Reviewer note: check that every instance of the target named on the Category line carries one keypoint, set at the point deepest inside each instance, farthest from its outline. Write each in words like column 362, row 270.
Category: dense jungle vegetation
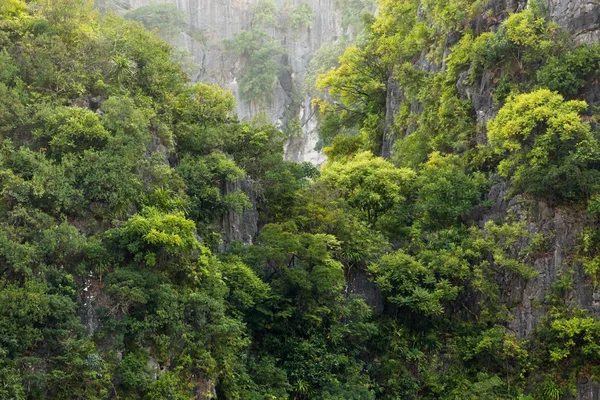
column 116, row 174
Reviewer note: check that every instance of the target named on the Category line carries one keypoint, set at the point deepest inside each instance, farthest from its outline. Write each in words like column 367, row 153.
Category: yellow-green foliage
column 370, row 183
column 549, row 148
column 542, row 142
column 12, row 9
column 532, row 32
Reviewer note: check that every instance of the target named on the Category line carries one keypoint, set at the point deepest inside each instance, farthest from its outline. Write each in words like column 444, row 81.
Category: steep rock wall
column 212, row 22
column 240, row 227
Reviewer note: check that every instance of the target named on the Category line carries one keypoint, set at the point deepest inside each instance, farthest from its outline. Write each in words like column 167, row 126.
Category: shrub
column 550, row 151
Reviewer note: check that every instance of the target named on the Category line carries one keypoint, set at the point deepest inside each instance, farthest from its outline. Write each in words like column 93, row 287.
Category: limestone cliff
column 210, row 23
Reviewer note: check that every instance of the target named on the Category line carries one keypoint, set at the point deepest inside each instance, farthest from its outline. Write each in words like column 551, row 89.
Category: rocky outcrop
column 240, row 226
column 561, row 229
column 392, row 103
column 360, row 283
column 303, row 147
column 527, row 298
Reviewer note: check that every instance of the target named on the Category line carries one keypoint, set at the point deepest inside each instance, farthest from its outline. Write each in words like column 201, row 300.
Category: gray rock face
column 302, row 148
column 481, row 95
column 240, row 226
column 209, row 24
column 359, row 283
column 218, row 20
column 580, row 17
column 562, row 229
column 587, row 390
column 393, row 101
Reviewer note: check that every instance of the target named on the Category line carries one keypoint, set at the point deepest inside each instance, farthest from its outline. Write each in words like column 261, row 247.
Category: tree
column 71, row 130
column 260, row 52
column 550, row 151
column 445, row 193
column 167, row 19
column 370, row 184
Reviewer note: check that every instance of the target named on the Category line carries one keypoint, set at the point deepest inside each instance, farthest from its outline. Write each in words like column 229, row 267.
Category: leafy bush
column 166, row 18
column 72, row 130
column 261, row 52
column 444, row 192
column 301, row 16
column 550, row 151
column 264, row 13
column 567, row 72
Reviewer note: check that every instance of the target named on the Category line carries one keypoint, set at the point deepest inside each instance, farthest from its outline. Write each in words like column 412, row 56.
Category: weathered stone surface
column 587, row 390
column 303, row 148
column 240, row 226
column 480, row 93
column 393, row 101
column 580, row 17
column 562, row 229
column 359, row 283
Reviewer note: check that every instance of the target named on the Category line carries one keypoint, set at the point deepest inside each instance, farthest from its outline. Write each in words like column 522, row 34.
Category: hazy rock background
column 210, row 23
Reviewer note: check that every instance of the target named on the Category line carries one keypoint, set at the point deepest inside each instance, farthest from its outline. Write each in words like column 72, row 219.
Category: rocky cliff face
column 212, row 22
column 562, row 227
column 580, row 18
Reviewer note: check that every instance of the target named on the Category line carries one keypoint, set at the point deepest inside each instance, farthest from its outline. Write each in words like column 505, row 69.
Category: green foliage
column 12, row 9
column 400, row 276
column 325, row 59
column 301, row 16
column 445, row 193
column 549, row 148
column 71, row 130
column 368, row 278
column 206, row 180
column 134, row 372
column 352, row 11
column 153, row 237
column 523, row 41
column 167, row 19
column 205, row 105
column 359, row 83
column 577, row 333
column 265, row 13
column 261, row 53
column 568, row 72
column 370, row 184
column 42, row 334
column 169, row 386
column 102, row 140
